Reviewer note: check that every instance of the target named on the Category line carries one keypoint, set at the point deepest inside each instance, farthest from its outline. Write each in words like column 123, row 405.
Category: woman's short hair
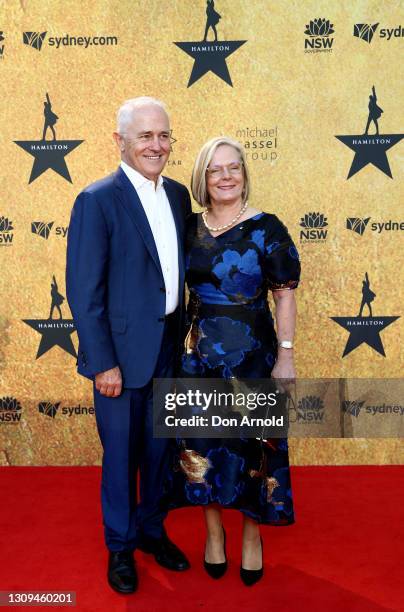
column 198, row 180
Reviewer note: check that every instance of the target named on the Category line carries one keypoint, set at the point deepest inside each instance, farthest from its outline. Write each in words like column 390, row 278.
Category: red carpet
column 345, row 552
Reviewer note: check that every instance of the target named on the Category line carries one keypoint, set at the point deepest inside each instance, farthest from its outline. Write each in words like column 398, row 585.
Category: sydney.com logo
column 37, row 39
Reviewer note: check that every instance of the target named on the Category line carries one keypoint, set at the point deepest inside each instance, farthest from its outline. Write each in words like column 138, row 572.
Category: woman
column 235, row 253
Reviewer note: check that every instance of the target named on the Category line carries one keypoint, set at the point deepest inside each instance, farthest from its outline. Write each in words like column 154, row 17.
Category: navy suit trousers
column 125, row 427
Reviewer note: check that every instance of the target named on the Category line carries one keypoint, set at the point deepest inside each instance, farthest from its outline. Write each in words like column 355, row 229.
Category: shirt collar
column 137, row 179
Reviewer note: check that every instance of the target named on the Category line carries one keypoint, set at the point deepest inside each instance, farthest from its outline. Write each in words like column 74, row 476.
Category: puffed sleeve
column 282, row 265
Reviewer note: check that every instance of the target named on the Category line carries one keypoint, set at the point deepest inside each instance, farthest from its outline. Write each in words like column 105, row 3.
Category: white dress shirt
column 160, row 217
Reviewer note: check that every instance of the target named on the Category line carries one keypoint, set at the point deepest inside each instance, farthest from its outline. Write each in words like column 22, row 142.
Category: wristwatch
column 286, row 344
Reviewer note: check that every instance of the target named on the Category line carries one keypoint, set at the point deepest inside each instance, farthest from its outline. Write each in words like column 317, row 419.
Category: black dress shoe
column 122, row 576
column 166, row 553
column 217, row 570
column 250, row 577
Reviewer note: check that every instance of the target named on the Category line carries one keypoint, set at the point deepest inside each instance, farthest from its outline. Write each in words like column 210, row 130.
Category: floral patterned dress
column 232, row 335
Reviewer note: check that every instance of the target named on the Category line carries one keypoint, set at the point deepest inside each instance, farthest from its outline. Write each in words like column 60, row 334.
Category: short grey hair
column 126, row 112
column 198, row 181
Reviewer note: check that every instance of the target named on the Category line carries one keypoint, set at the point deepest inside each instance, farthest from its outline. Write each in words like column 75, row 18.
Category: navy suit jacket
column 114, row 282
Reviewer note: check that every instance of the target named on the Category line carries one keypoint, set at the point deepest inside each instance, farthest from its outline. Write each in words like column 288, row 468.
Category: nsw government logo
column 365, row 329
column 318, row 36
column 54, row 332
column 314, row 226
column 371, row 149
column 210, row 56
column 49, row 154
column 310, row 410
column 10, row 410
column 6, row 232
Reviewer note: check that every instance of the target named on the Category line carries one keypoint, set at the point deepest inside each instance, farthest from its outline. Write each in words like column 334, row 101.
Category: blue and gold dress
column 231, row 335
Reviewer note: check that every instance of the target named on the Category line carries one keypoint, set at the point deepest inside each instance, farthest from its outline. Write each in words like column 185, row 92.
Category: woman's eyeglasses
column 219, row 171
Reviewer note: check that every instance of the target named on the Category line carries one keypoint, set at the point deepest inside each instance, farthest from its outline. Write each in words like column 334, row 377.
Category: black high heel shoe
column 250, row 577
column 217, row 570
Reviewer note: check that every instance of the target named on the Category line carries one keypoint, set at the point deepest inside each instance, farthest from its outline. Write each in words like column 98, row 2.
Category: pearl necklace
column 220, row 228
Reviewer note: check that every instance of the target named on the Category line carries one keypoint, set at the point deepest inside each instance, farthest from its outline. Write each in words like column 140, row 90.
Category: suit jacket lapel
column 133, row 206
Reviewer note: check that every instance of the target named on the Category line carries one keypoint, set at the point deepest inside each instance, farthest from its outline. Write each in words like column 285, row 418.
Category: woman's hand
column 285, row 314
column 284, row 371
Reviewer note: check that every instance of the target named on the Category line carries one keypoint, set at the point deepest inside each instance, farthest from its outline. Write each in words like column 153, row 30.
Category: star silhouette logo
column 54, row 332
column 371, row 149
column 49, row 154
column 365, row 329
column 210, row 56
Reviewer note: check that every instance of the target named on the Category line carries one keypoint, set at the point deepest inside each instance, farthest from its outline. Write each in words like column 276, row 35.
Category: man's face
column 145, row 145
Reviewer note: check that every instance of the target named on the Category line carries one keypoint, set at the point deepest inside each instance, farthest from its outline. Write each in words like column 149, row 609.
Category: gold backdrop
column 293, row 100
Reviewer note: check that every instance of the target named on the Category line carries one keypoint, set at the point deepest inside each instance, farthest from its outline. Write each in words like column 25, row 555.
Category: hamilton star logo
column 210, row 56
column 365, row 330
column 54, row 332
column 371, row 149
column 49, row 154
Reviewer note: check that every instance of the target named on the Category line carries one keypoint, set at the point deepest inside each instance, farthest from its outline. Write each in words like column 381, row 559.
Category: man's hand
column 109, row 383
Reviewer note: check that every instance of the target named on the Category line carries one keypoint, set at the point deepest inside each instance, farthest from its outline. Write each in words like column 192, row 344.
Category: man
column 125, row 287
